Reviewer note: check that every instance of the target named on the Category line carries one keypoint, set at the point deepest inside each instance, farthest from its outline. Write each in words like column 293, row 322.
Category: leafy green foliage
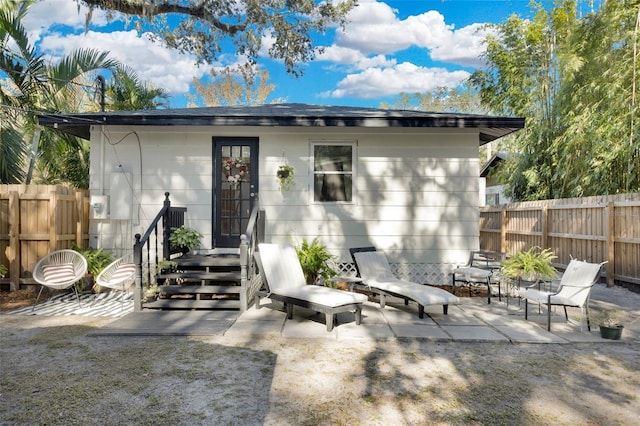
column 315, row 260
column 34, row 85
column 3, row 270
column 205, row 28
column 285, row 177
column 185, row 237
column 575, row 80
column 532, row 264
column 97, row 260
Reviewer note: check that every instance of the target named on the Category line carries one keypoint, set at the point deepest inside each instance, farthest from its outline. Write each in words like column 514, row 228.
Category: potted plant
column 285, row 177
column 610, row 326
column 3, row 270
column 97, row 260
column 531, row 265
column 185, row 238
column 315, row 260
column 165, row 265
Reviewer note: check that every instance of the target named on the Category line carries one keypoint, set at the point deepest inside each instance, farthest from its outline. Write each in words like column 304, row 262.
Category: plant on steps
column 315, row 260
column 185, row 238
column 530, row 265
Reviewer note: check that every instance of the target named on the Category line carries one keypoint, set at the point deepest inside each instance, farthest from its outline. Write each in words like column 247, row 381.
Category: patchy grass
column 53, row 373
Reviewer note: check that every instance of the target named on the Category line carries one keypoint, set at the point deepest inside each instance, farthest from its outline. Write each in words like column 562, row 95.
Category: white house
column 491, row 191
column 403, row 181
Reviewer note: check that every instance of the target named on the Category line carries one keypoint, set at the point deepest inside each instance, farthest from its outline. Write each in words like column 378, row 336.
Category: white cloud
column 405, row 77
column 375, row 28
column 464, row 47
column 153, row 62
column 43, row 14
column 348, row 56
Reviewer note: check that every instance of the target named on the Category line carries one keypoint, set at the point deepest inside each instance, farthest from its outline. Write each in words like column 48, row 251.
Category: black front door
column 235, row 187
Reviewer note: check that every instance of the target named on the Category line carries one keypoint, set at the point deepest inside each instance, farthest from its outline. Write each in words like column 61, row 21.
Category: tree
column 203, row 28
column 575, row 80
column 34, row 86
column 126, row 92
column 239, row 85
column 441, row 99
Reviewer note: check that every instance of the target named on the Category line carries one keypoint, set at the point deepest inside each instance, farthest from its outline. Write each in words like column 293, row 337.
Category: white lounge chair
column 575, row 288
column 374, row 269
column 284, row 280
column 60, row 270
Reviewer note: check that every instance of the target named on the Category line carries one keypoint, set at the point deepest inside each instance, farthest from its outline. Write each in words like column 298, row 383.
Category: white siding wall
column 416, row 192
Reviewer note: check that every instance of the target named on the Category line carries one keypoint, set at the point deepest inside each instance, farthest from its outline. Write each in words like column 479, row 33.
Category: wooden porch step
column 192, row 304
column 198, row 275
column 199, row 289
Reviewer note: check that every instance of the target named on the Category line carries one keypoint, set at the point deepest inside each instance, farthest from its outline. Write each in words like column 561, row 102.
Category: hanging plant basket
column 285, row 177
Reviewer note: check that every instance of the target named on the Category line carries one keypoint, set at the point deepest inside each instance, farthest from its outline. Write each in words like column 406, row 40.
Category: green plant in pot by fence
column 315, row 260
column 3, row 270
column 610, row 322
column 185, row 238
column 97, row 260
column 530, row 265
column 285, row 177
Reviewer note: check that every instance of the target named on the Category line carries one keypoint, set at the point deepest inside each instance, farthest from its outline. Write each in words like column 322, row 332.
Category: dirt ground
column 10, row 300
column 53, row 372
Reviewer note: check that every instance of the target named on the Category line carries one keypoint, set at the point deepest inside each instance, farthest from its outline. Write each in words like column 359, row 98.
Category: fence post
column 14, row 240
column 545, row 226
column 53, row 220
column 503, row 230
column 80, row 217
column 611, row 248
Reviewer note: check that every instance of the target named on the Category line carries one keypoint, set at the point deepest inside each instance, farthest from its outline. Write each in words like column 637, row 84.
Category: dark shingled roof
column 287, row 115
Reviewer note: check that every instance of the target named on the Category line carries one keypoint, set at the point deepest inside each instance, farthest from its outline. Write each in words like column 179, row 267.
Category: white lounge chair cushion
column 376, row 272
column 324, row 295
column 62, row 273
column 423, row 294
column 285, row 278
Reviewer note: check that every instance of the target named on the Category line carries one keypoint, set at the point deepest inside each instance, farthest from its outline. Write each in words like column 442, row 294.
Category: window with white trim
column 333, row 171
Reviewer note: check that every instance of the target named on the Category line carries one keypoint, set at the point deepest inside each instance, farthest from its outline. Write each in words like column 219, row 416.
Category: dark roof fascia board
column 490, row 127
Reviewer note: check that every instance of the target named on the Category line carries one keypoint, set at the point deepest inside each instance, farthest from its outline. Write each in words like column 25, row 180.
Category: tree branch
column 137, row 8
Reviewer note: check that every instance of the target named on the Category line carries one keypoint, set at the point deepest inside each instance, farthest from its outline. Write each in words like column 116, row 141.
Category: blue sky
column 389, row 47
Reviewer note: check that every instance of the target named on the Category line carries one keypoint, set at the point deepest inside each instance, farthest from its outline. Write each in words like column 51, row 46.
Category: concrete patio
column 473, row 320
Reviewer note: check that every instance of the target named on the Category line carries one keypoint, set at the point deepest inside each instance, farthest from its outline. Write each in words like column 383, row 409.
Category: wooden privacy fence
column 595, row 229
column 36, row 220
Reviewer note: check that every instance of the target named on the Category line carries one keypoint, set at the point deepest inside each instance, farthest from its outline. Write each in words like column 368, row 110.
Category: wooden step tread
column 199, row 289
column 209, row 261
column 193, row 304
column 218, row 276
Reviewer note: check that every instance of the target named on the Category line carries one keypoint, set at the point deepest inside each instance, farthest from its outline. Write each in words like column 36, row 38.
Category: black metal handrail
column 170, row 217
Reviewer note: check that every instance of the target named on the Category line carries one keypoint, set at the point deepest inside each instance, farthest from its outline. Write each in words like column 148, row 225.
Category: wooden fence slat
column 14, row 233
column 597, row 229
column 39, row 219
